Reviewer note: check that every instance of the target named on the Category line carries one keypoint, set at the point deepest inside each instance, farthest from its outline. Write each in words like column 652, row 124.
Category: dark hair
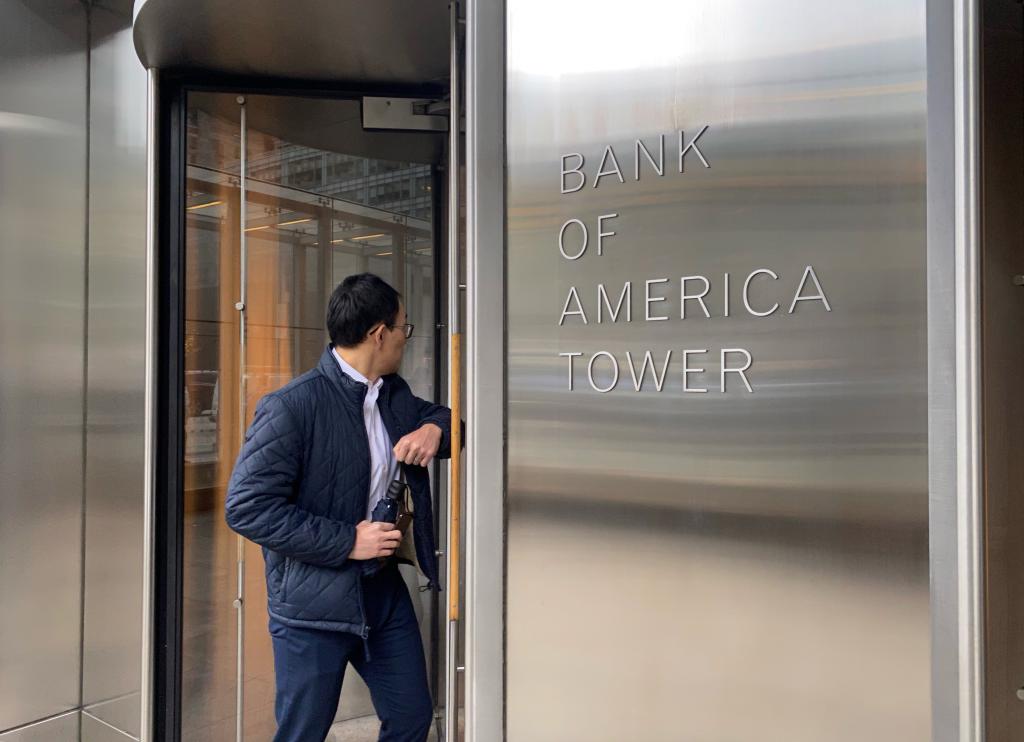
column 358, row 304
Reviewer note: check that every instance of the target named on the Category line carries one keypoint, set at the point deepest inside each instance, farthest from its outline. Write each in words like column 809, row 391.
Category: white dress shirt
column 383, row 465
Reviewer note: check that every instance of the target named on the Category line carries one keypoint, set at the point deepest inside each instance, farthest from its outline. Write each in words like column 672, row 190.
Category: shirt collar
column 353, row 374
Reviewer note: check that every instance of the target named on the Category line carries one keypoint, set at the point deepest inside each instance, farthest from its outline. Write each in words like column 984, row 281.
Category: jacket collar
column 352, row 390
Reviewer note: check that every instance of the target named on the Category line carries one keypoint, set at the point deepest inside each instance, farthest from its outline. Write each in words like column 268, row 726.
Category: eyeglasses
column 406, row 328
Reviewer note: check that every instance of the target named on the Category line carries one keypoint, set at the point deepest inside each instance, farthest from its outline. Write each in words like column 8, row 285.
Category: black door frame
column 174, row 87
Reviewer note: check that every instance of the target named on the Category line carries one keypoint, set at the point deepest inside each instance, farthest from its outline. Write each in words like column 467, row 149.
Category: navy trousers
column 310, row 667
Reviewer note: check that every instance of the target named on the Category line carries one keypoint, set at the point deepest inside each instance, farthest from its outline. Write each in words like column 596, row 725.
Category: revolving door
column 279, row 198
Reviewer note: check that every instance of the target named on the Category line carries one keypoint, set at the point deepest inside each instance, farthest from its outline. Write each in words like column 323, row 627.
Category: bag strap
column 407, row 505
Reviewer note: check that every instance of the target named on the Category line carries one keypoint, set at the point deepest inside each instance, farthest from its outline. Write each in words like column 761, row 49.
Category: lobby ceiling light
column 257, row 229
column 368, row 236
column 295, row 221
column 207, row 205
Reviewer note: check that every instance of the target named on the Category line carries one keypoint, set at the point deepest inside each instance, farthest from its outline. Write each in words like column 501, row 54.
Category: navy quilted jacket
column 301, row 485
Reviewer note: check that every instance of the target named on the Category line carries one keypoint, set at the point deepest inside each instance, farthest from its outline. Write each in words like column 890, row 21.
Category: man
column 320, row 453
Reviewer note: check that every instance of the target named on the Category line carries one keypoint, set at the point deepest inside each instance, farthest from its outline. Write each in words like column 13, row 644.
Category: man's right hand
column 375, row 540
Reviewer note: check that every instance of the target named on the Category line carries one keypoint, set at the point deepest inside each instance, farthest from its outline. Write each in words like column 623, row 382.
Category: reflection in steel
column 42, row 276
column 719, row 532
column 115, row 451
column 63, row 728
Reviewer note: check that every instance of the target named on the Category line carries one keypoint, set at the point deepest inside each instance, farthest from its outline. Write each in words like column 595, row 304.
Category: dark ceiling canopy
column 386, row 42
column 323, row 123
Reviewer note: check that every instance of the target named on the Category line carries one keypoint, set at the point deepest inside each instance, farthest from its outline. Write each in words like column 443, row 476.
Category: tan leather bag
column 406, row 552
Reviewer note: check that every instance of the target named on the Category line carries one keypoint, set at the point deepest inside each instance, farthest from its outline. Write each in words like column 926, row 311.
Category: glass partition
column 312, row 215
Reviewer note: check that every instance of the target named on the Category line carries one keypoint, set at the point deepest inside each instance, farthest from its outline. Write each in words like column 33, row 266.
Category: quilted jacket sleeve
column 260, row 500
column 441, row 416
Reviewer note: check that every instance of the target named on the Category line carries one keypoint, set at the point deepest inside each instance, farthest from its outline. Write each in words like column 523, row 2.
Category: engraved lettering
column 691, row 146
column 648, row 299
column 615, row 370
column 601, row 234
column 740, row 371
column 820, row 296
column 609, row 153
column 570, row 357
column 573, row 297
column 578, row 170
column 659, row 166
column 626, row 297
column 699, row 297
column 687, row 371
column 746, row 292
column 638, row 378
column 561, row 239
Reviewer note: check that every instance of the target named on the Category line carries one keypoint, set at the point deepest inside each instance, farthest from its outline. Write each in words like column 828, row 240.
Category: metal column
column 149, row 427
column 454, row 389
column 240, row 306
column 483, row 651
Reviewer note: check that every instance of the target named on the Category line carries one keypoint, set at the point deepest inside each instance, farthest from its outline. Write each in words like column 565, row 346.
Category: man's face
column 393, row 343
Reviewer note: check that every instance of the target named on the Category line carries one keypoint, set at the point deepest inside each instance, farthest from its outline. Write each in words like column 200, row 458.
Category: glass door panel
column 312, row 216
column 211, row 427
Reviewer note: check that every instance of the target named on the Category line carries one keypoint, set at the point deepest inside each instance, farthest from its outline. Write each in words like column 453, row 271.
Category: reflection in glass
column 312, row 218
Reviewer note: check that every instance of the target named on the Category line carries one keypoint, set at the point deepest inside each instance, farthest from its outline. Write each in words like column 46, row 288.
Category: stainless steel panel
column 150, row 417
column 955, row 693
column 63, row 728
column 720, row 566
column 95, row 729
column 116, row 343
column 942, row 506
column 121, row 714
column 388, row 41
column 42, row 262
column 485, row 370
column 970, row 577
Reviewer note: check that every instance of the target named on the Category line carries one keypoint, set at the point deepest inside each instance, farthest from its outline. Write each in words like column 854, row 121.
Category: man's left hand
column 419, row 447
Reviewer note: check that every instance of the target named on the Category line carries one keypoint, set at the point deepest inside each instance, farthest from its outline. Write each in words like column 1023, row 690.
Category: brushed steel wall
column 116, row 374
column 719, row 566
column 94, row 730
column 72, row 271
column 63, row 728
column 42, row 284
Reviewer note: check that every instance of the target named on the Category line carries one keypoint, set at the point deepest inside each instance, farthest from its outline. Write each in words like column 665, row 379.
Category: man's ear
column 377, row 334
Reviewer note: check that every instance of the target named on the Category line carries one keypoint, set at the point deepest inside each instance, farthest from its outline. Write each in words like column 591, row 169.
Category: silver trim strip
column 451, row 703
column 149, row 443
column 968, row 392
column 454, row 165
column 243, row 262
column 110, row 726
column 485, row 371
column 9, row 731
